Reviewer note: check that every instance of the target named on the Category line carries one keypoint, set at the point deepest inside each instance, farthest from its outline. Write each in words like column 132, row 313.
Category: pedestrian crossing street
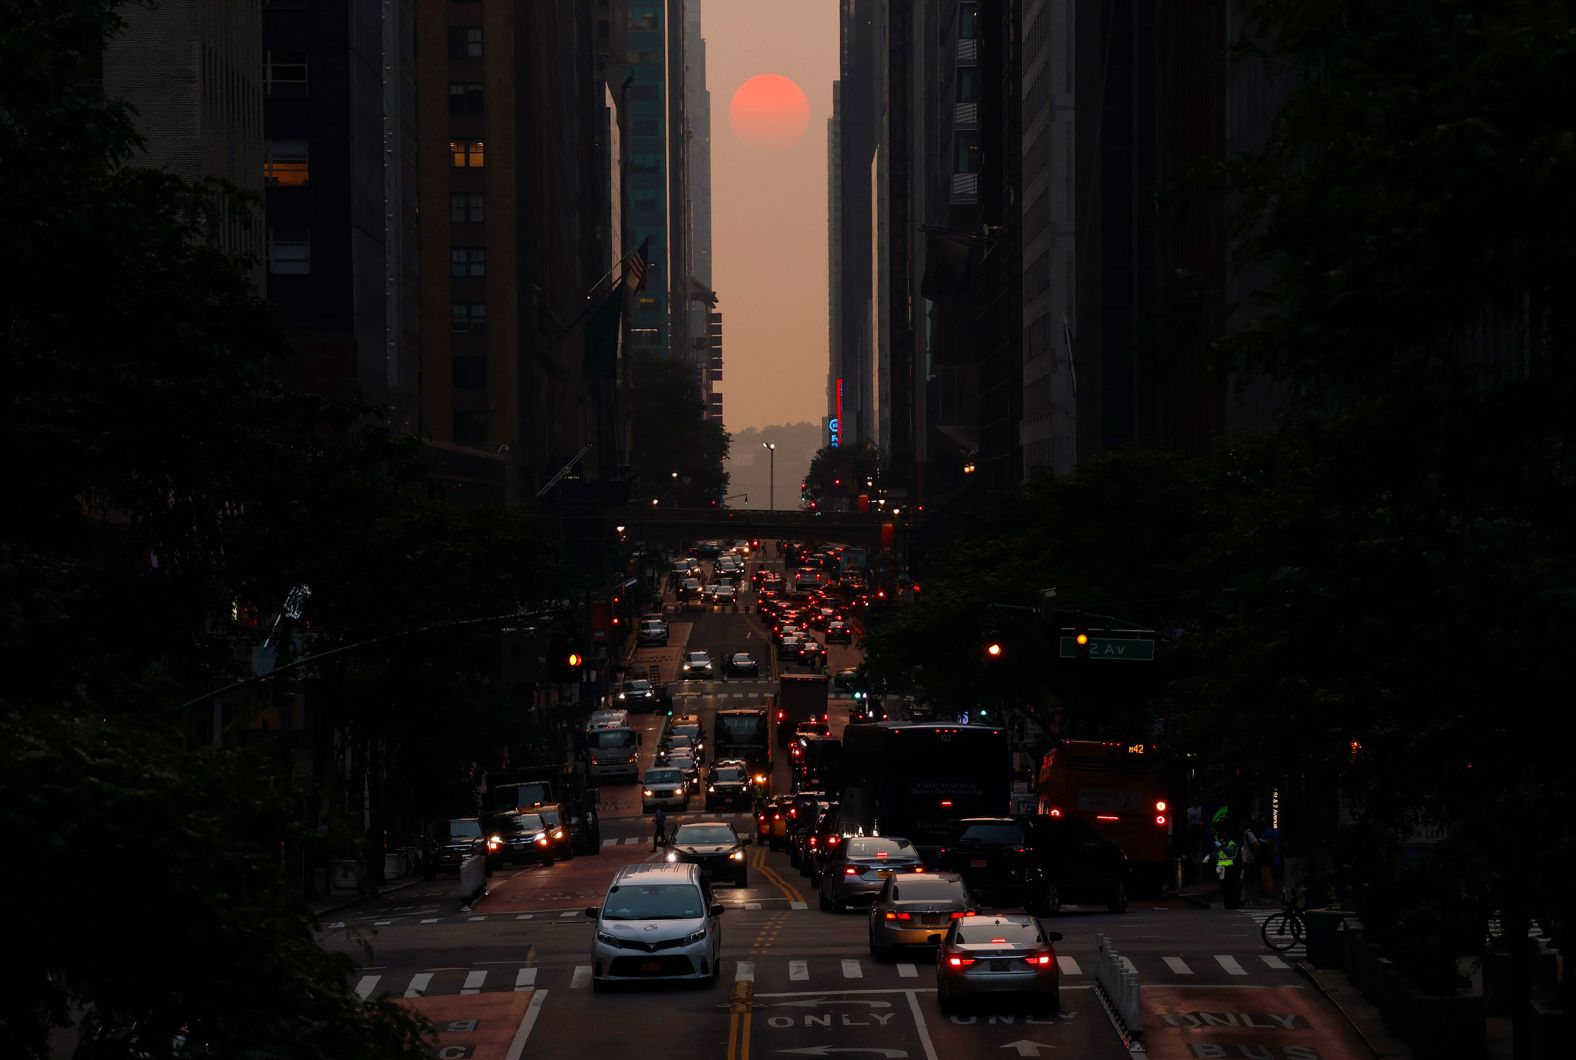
column 820, row 973
column 1299, row 952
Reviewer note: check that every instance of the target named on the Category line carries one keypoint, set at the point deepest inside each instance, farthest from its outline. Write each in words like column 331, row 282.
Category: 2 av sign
column 1118, row 648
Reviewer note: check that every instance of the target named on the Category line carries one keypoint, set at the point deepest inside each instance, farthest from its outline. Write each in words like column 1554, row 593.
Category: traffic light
column 994, row 649
column 574, row 659
column 1081, row 640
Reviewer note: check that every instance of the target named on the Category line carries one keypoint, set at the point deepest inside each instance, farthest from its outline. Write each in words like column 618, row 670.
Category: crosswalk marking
column 474, row 981
column 568, row 913
column 382, row 923
column 851, row 970
column 1273, row 961
column 610, row 842
column 1127, row 962
column 418, row 984
column 798, row 971
column 1068, row 965
column 1177, row 965
column 746, row 972
column 473, row 919
column 632, row 840
column 430, row 920
column 368, row 984
column 1229, row 963
column 525, row 979
column 798, row 905
column 526, row 916
column 907, row 971
column 752, row 905
column 581, row 977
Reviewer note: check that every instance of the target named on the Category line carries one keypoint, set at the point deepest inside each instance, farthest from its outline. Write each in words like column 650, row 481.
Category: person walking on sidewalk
column 659, row 834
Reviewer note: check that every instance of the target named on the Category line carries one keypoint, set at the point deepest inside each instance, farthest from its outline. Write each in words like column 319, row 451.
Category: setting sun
column 769, row 111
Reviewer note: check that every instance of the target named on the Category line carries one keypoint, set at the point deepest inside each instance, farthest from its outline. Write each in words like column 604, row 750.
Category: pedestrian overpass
column 673, row 526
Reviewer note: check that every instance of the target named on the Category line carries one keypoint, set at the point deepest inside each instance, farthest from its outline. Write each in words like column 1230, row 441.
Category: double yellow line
column 739, row 1002
column 789, row 890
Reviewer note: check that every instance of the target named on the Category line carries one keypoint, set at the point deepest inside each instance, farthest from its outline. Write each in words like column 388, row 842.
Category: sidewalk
column 333, row 903
column 1360, row 1013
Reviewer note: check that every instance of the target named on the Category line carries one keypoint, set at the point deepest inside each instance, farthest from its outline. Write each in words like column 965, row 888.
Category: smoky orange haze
column 768, row 219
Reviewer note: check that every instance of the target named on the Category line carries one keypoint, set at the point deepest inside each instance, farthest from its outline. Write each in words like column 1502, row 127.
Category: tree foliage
column 673, row 433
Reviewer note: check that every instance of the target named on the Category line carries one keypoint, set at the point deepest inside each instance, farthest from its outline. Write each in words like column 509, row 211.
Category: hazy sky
column 768, row 216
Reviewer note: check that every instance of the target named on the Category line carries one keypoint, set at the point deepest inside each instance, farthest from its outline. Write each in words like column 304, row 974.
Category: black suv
column 446, row 843
column 525, row 837
column 1044, row 862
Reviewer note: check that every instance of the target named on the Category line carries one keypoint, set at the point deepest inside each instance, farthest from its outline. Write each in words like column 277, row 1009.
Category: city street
column 794, row 980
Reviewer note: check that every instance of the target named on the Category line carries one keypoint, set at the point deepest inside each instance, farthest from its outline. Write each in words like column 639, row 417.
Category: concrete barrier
column 1119, row 988
column 473, row 878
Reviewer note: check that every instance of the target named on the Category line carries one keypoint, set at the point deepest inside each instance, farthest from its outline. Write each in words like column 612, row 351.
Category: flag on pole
column 635, row 267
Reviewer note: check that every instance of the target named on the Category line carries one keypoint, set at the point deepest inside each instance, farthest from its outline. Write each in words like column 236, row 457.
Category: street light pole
column 771, row 450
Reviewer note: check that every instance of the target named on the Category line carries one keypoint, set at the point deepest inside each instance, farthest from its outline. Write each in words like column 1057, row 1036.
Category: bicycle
column 1283, row 930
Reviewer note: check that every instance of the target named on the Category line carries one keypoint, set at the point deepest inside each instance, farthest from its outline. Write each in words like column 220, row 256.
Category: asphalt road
column 510, row 977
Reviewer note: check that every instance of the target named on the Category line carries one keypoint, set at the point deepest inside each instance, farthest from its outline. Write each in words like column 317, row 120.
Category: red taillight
column 1055, row 812
column 1160, row 818
column 812, row 840
column 919, row 868
column 793, row 813
column 1160, row 806
column 881, row 853
column 959, row 914
column 1106, row 817
column 831, row 840
column 777, row 816
column 898, row 916
column 946, row 802
column 850, row 871
column 1002, row 941
column 779, row 715
column 1039, row 958
column 959, row 962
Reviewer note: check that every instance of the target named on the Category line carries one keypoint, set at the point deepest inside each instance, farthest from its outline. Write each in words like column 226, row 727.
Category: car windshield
column 642, row 902
column 920, row 889
column 743, row 658
column 687, row 731
column 525, row 822
column 704, row 833
column 464, row 829
column 697, row 657
column 1002, row 833
column 980, row 932
column 681, row 759
column 727, row 776
column 610, row 739
column 679, row 742
column 551, row 818
column 663, row 776
column 637, row 686
column 878, row 848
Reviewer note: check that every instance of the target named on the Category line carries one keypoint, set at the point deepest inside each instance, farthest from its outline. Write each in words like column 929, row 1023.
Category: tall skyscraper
column 647, row 187
column 704, row 321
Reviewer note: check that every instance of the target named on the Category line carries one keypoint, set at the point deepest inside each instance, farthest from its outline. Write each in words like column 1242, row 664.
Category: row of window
column 285, row 72
column 287, row 164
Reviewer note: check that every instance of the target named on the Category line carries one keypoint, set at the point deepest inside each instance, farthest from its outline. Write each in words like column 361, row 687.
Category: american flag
column 635, row 268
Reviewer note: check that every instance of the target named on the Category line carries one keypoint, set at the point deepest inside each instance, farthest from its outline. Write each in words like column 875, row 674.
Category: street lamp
column 771, row 500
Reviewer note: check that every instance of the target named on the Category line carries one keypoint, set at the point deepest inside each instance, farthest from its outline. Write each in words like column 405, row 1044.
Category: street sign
column 1118, row 648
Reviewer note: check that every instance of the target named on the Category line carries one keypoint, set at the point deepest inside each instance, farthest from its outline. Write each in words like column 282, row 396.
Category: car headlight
column 760, row 778
column 622, row 696
column 558, row 834
column 648, row 793
column 602, row 936
column 712, row 788
column 737, row 855
column 672, row 856
column 542, row 839
column 695, row 936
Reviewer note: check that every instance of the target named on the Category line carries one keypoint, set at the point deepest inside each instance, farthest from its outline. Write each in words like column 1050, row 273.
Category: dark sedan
column 715, row 847
column 742, row 664
column 447, row 843
column 727, row 786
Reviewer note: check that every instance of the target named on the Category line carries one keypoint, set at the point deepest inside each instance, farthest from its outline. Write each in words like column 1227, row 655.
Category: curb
column 1392, row 1051
column 352, row 899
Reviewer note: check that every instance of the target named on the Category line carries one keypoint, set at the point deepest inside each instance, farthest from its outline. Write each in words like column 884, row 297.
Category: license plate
column 882, row 874
column 651, row 966
column 998, row 966
column 978, row 863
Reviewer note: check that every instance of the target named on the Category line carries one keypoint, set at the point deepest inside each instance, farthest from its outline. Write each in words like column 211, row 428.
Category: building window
column 469, row 373
column 968, row 21
column 968, row 159
column 465, row 42
column 289, row 252
column 467, row 261
column 470, row 428
column 466, row 154
column 285, row 5
column 645, row 206
column 468, row 318
column 284, row 74
column 646, row 127
column 467, row 207
column 465, row 97
column 285, row 164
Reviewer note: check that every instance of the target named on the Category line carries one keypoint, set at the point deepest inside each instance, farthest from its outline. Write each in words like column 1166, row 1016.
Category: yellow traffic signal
column 993, row 649
column 575, row 659
column 1082, row 638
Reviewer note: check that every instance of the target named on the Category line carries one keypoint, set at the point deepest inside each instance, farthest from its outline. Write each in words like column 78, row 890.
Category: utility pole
column 771, row 450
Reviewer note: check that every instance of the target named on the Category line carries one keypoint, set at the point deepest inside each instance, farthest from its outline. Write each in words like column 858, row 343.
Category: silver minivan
column 656, row 922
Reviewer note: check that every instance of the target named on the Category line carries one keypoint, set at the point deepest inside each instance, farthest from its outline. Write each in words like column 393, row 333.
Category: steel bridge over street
column 677, row 525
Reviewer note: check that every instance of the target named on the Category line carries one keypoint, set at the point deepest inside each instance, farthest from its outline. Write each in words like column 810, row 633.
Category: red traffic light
column 575, row 659
column 993, row 649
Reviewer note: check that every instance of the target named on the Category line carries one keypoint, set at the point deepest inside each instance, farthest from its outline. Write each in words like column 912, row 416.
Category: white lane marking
column 418, row 984
column 475, row 918
column 568, row 913
column 527, row 1021
column 1127, row 962
column 907, row 971
column 581, row 977
column 746, row 972
column 526, row 916
column 524, row 979
column 851, row 970
column 752, row 905
column 473, row 982
column 430, row 920
column 1273, row 961
column 798, row 905
column 1068, row 965
column 1177, row 965
column 1228, row 962
column 368, row 984
column 798, row 971
column 919, row 1025
column 382, row 923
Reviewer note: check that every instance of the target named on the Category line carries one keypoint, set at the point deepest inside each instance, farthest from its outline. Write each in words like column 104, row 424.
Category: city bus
column 1119, row 788
column 914, row 780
